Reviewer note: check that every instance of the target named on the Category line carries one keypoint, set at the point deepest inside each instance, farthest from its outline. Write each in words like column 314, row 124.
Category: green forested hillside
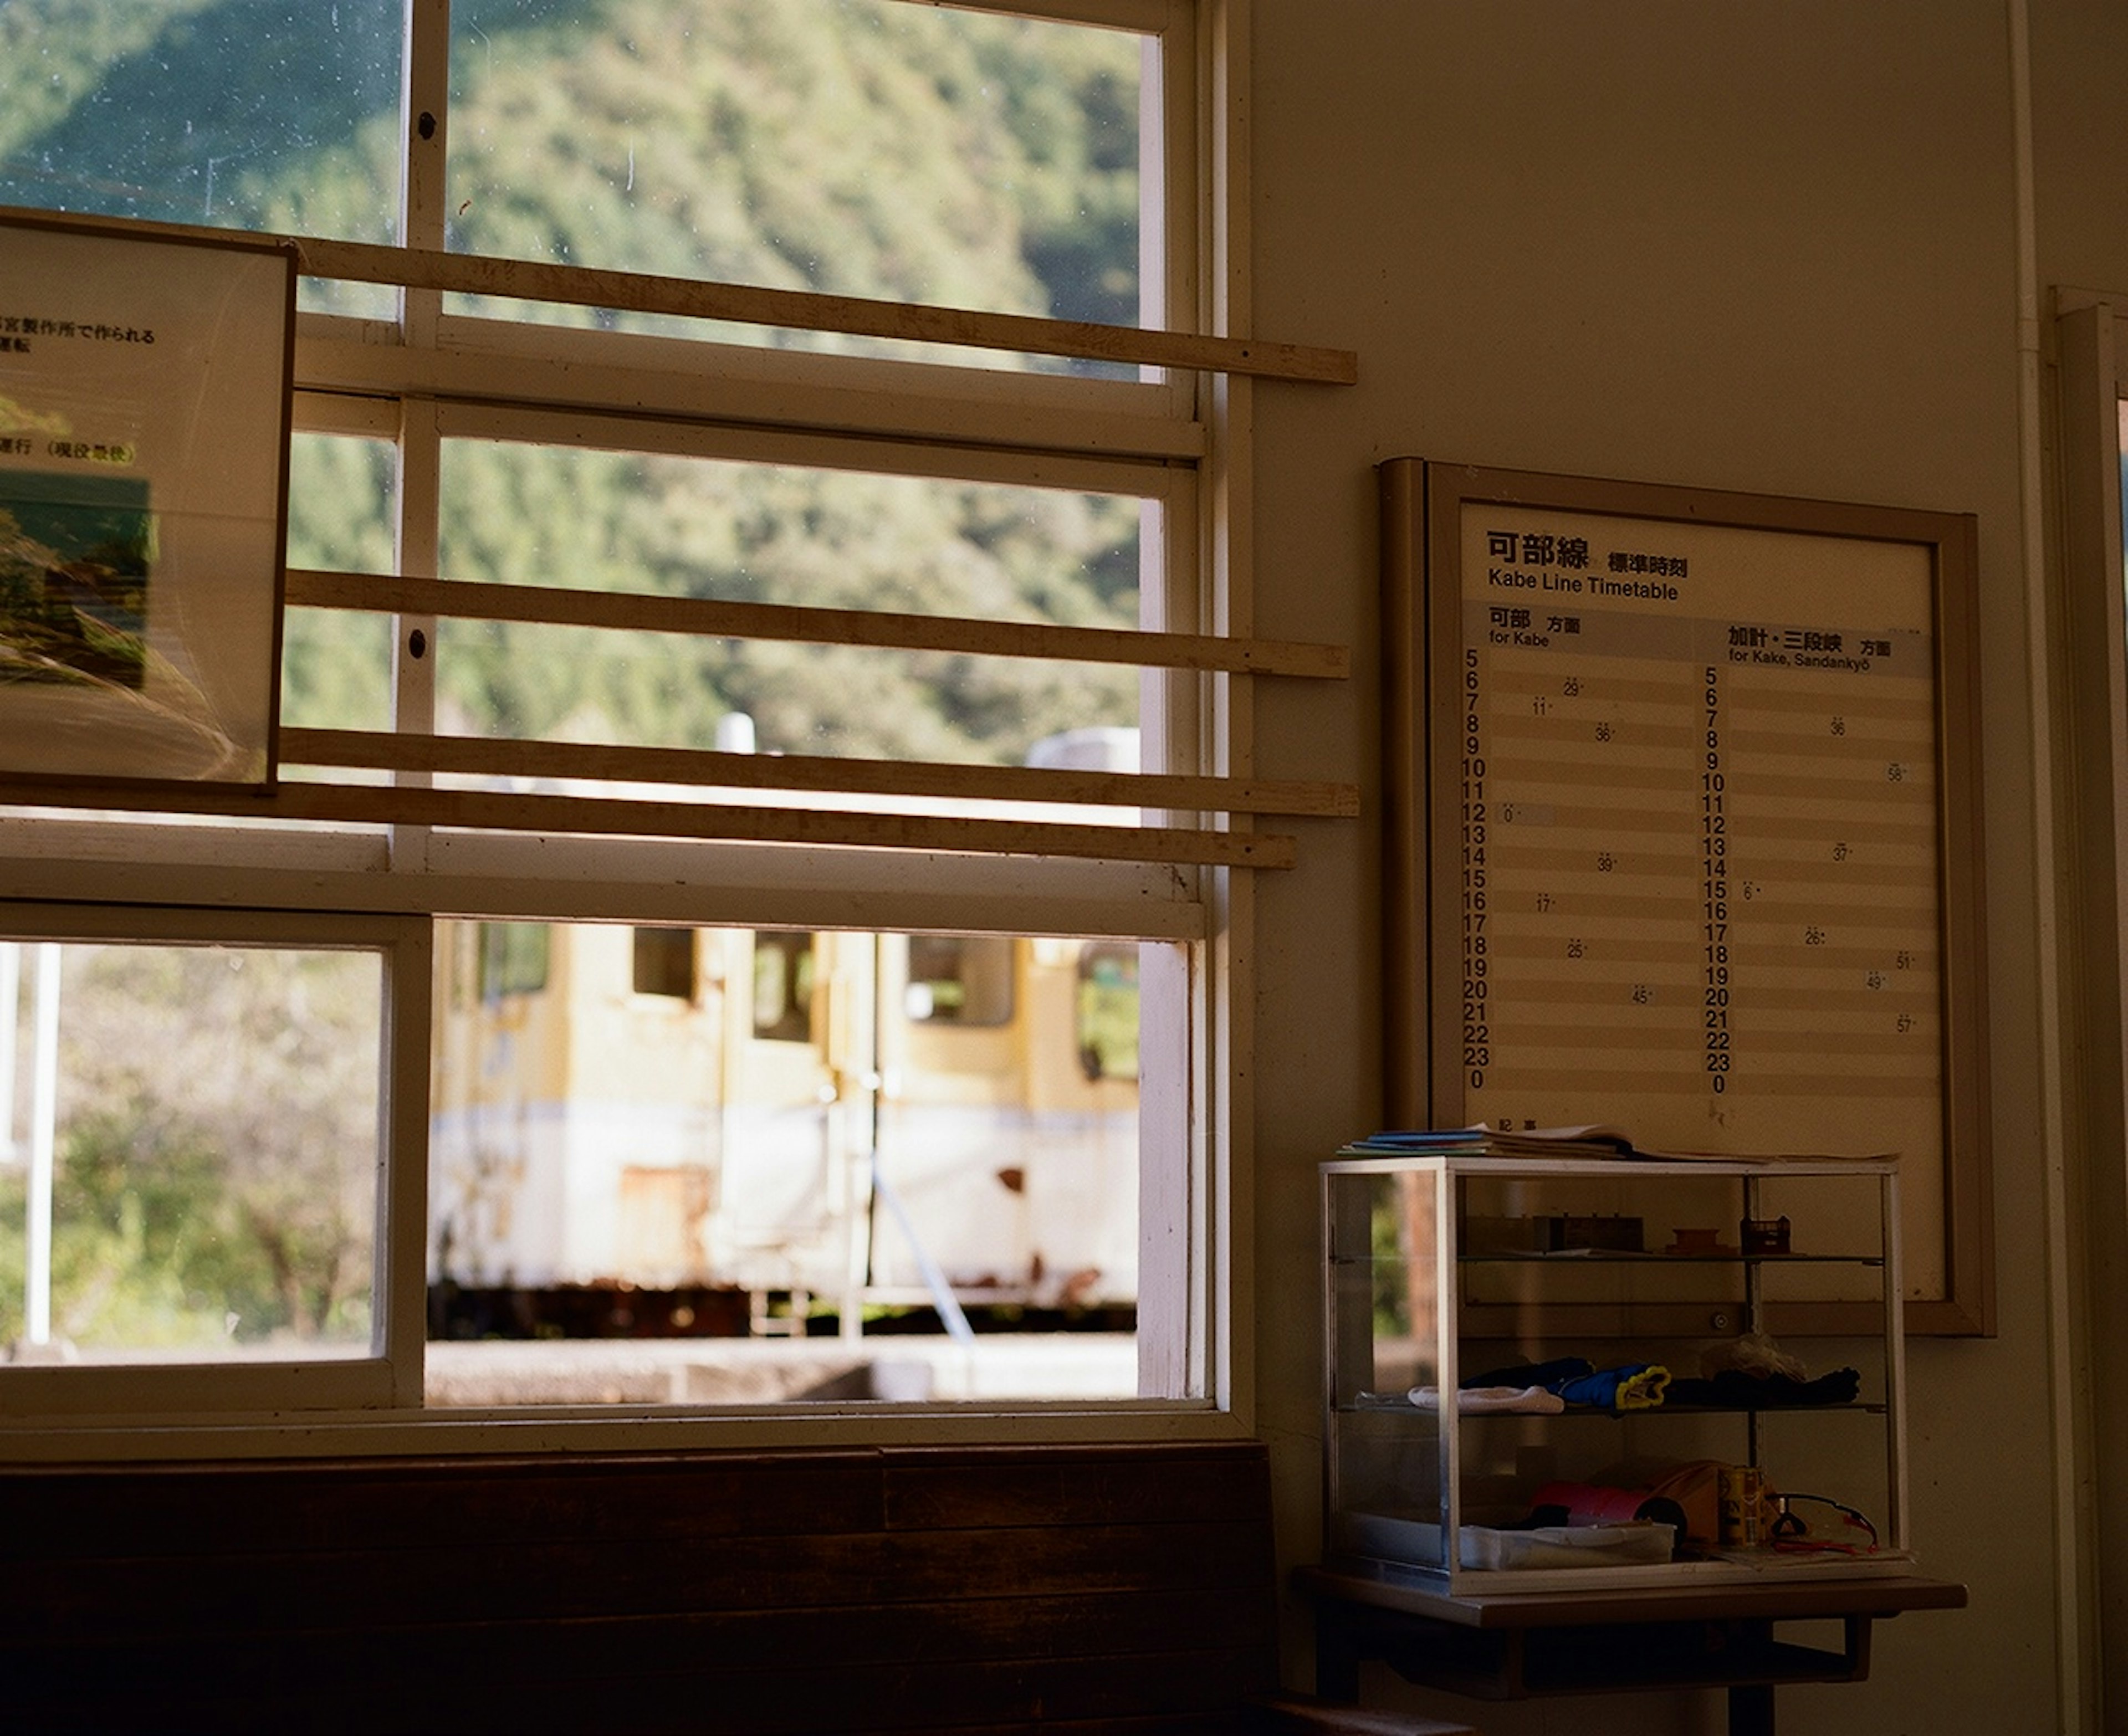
column 901, row 151
column 907, row 151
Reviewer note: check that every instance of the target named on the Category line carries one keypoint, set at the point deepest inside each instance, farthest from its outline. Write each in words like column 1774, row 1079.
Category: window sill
column 645, row 1429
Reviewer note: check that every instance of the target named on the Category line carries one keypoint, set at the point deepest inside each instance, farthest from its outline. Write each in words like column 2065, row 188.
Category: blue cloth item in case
column 1635, row 1386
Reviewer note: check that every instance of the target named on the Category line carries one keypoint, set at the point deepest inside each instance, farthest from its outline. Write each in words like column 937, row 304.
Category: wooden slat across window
column 645, row 791
column 809, row 779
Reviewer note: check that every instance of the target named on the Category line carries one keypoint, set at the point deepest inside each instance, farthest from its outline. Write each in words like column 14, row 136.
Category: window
column 513, row 959
column 269, row 115
column 665, row 963
column 1107, row 1010
column 199, row 1112
column 959, row 979
column 768, row 1146
column 216, row 1196
column 754, row 636
column 783, row 987
column 895, row 152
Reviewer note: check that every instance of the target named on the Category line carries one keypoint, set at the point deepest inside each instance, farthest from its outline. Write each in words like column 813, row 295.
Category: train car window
column 513, row 959
column 783, row 987
column 959, row 979
column 665, row 962
column 1107, row 1010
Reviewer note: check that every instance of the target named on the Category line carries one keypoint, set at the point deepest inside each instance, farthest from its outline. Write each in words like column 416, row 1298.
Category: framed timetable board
column 1684, row 833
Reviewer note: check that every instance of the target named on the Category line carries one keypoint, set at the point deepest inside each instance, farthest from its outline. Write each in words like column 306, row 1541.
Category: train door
column 949, row 1175
column 646, row 1016
column 799, row 1085
column 1007, row 1137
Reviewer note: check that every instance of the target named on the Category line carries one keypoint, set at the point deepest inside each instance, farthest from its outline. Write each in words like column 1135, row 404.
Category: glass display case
column 1544, row 1372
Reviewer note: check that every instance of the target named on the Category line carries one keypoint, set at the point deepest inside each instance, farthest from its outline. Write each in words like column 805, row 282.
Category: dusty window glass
column 188, row 1151
column 520, row 514
column 336, row 664
column 272, row 114
column 630, row 1194
column 865, row 148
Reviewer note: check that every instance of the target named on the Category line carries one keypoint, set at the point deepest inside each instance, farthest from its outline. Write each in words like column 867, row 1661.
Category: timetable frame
column 1683, row 832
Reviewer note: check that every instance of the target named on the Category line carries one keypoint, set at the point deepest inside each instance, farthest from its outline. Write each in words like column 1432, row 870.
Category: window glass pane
column 759, row 533
column 867, row 148
column 274, row 115
column 786, row 1152
column 337, row 663
column 192, row 1161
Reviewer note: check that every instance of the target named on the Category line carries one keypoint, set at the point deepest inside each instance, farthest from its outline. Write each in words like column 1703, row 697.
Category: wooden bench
column 979, row 1590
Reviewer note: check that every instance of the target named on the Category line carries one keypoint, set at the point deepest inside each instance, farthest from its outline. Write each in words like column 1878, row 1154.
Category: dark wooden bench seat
column 982, row 1591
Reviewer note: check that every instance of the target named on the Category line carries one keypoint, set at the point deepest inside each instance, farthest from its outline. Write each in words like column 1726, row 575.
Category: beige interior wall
column 1772, row 248
column 2078, row 50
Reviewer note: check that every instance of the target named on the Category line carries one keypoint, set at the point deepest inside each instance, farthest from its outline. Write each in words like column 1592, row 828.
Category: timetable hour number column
column 1714, row 885
column 1477, row 1036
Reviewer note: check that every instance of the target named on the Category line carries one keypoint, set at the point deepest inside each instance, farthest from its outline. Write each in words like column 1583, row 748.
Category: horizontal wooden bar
column 539, row 368
column 475, row 755
column 476, row 274
column 712, row 618
column 400, row 805
column 915, row 322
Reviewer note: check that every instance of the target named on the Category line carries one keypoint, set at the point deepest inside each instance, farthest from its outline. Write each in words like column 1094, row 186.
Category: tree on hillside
column 750, row 533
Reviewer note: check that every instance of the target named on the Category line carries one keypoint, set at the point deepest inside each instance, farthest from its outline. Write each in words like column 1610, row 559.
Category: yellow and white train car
column 872, row 1120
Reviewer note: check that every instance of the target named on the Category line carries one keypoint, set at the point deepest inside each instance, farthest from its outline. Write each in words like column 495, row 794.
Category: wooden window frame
column 1177, row 435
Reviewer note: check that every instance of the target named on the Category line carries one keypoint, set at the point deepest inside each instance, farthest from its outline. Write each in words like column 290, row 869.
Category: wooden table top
column 1801, row 1597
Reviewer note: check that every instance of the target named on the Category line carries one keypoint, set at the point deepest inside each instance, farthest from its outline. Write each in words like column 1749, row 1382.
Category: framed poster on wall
column 1684, row 831
column 144, row 439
